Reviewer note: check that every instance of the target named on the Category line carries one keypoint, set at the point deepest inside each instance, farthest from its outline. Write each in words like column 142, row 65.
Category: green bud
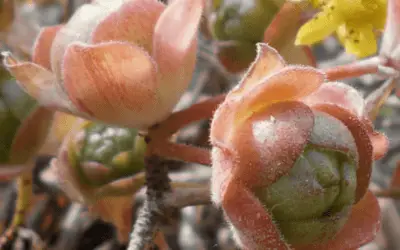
column 242, row 20
column 104, row 153
column 236, row 56
column 313, row 201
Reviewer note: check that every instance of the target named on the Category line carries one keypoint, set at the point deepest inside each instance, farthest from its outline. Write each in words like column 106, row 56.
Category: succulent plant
column 292, row 158
column 76, row 70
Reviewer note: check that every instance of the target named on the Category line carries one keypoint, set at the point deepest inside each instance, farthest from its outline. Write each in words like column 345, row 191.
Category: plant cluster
column 110, row 89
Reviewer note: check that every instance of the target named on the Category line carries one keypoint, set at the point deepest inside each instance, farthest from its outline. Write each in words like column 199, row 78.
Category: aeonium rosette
column 94, row 158
column 123, row 62
column 292, row 157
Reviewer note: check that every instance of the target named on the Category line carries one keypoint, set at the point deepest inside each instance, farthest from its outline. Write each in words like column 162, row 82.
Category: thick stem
column 145, row 228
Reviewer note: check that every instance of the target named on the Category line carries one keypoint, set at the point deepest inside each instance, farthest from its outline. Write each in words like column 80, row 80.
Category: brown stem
column 356, row 69
column 196, row 112
column 182, row 152
column 393, row 193
column 158, row 135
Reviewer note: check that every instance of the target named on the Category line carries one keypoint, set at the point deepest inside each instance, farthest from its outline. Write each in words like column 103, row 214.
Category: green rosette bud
column 319, row 188
column 229, row 52
column 102, row 153
column 95, row 162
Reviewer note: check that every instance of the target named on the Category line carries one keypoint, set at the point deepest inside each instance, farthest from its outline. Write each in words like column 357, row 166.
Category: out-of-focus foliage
column 15, row 107
column 238, row 25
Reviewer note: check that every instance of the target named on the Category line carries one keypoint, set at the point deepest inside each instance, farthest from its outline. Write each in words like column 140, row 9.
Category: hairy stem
column 393, row 193
column 199, row 111
column 356, row 69
column 183, row 152
column 145, row 228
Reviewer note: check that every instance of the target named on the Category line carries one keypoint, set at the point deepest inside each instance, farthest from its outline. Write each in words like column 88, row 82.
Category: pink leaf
column 135, row 20
column 41, row 49
column 267, row 62
column 339, row 94
column 174, row 46
column 290, row 83
column 114, row 82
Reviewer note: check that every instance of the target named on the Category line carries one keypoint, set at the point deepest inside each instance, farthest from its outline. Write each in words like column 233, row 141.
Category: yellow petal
column 317, row 3
column 319, row 27
column 358, row 40
column 379, row 18
column 349, row 8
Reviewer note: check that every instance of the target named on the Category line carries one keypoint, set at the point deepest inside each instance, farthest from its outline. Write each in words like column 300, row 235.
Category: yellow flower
column 355, row 23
